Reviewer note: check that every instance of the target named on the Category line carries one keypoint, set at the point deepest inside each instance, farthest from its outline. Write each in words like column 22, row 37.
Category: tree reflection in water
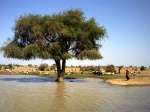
column 59, row 102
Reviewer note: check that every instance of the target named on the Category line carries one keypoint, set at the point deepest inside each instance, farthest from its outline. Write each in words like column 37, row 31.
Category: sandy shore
column 142, row 81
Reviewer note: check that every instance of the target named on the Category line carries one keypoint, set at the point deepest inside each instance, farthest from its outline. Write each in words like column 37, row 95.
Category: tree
column 58, row 37
column 110, row 68
column 120, row 67
column 30, row 65
column 142, row 68
column 42, row 67
column 10, row 66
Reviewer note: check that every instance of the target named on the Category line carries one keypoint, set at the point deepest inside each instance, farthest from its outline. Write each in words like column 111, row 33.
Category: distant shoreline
column 137, row 81
column 142, row 81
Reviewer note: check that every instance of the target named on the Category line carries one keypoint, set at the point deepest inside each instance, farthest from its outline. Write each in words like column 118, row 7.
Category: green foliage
column 10, row 66
column 90, row 68
column 30, row 51
column 142, row 68
column 6, row 67
column 43, row 67
column 11, row 50
column 89, row 54
column 120, row 67
column 30, row 65
column 59, row 36
column 110, row 68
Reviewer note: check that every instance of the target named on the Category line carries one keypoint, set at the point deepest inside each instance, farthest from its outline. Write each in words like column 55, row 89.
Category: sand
column 142, row 81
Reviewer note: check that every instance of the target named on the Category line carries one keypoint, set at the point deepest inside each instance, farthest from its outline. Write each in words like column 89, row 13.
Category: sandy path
column 142, row 81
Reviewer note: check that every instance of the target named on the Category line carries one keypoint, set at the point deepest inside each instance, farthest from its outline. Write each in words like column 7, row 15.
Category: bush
column 10, row 66
column 6, row 67
column 30, row 65
column 42, row 67
column 110, row 68
column 142, row 68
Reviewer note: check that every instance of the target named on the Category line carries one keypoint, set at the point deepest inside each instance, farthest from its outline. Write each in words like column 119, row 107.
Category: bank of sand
column 141, row 81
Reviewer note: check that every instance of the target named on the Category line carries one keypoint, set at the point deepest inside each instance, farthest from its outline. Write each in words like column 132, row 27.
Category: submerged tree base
column 61, row 79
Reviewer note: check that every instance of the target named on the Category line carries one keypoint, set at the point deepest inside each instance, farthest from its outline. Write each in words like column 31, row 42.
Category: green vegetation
column 82, row 72
column 142, row 68
column 110, row 68
column 58, row 37
column 43, row 67
column 10, row 66
column 90, row 75
column 30, row 65
column 80, row 76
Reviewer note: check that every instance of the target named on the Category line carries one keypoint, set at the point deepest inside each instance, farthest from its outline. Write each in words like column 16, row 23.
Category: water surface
column 22, row 93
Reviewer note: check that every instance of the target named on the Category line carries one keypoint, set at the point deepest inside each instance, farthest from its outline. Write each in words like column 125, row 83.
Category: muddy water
column 20, row 93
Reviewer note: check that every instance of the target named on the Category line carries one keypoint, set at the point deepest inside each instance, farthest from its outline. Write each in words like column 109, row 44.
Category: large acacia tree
column 58, row 37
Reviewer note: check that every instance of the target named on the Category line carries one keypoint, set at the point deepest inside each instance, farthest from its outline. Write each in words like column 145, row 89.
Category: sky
column 127, row 23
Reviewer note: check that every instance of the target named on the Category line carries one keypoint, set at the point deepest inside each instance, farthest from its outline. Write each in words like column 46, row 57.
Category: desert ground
column 142, row 79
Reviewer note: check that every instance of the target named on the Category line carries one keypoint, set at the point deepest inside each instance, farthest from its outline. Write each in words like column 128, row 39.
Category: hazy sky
column 127, row 23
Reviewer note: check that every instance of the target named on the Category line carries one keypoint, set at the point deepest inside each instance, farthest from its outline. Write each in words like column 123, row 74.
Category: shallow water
column 22, row 93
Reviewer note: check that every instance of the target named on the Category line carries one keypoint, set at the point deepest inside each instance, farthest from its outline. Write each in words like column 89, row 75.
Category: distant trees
column 89, row 68
column 10, row 66
column 110, row 68
column 30, row 65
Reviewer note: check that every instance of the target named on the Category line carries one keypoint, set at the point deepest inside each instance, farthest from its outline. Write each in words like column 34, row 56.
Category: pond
column 23, row 93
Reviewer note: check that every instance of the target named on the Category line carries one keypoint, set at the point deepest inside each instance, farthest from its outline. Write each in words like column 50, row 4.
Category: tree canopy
column 110, row 68
column 59, row 37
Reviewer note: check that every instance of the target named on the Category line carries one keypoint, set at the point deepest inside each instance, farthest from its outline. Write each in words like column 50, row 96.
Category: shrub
column 142, row 68
column 30, row 65
column 110, row 68
column 10, row 66
column 42, row 67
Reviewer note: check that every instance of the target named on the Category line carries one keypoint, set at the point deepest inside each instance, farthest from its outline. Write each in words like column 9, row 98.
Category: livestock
column 7, row 70
column 97, row 72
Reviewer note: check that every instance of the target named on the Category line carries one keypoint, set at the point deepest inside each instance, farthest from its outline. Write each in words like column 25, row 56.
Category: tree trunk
column 60, row 70
column 119, row 70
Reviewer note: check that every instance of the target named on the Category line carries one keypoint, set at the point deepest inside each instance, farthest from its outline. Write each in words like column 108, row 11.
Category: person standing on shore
column 127, row 75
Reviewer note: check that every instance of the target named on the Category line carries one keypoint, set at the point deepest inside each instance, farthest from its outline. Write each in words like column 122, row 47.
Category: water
column 21, row 93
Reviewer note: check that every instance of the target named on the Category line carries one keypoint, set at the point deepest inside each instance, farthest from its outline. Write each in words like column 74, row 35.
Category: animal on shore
column 97, row 72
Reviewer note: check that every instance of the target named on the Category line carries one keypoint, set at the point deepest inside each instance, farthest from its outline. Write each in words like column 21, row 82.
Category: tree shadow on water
column 29, row 79
column 40, row 79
